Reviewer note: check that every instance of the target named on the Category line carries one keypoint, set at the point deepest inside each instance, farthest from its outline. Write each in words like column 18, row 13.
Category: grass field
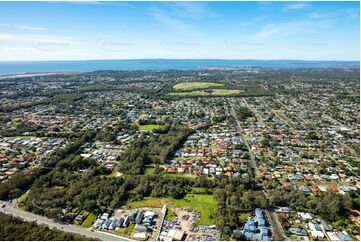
column 148, row 202
column 199, row 190
column 205, row 204
column 149, row 170
column 225, row 92
column 189, row 94
column 196, row 85
column 211, row 92
column 150, row 127
column 22, row 200
column 89, row 220
column 191, row 177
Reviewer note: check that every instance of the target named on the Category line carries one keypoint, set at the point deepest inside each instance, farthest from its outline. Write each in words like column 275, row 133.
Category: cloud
column 288, row 28
column 259, row 18
column 253, row 21
column 17, row 48
column 86, row 2
column 283, row 6
column 177, row 24
column 25, row 27
column 191, row 10
column 179, row 15
column 37, row 38
column 339, row 14
column 246, row 24
column 64, row 31
column 296, row 6
column 30, row 28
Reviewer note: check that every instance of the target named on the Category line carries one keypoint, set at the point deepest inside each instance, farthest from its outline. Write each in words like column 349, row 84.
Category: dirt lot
column 187, row 218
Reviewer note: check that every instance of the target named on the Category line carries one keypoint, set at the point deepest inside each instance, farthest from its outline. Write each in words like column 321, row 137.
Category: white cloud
column 246, row 24
column 296, row 6
column 30, row 28
column 25, row 27
column 165, row 19
column 288, row 28
column 18, row 48
column 37, row 38
column 339, row 14
column 259, row 18
column 180, row 15
column 194, row 10
column 33, row 54
column 253, row 21
column 86, row 2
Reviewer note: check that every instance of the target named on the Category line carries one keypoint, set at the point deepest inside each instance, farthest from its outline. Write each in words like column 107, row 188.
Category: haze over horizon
column 56, row 31
column 181, row 59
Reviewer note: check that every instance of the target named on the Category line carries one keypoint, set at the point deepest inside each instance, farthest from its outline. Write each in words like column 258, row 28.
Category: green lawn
column 188, row 94
column 150, row 127
column 129, row 231
column 89, row 220
column 148, row 202
column 205, row 204
column 22, row 200
column 149, row 170
column 225, row 92
column 178, row 175
column 196, row 85
column 199, row 190
column 210, row 92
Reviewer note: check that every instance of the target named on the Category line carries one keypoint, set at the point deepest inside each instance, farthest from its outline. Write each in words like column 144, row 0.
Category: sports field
column 150, row 127
column 225, row 92
column 196, row 85
column 210, row 92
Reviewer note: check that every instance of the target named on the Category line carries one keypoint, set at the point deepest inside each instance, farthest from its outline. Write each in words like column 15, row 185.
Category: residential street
column 244, row 140
column 277, row 230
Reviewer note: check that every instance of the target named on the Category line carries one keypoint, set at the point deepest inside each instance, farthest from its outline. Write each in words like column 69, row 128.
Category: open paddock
column 196, row 85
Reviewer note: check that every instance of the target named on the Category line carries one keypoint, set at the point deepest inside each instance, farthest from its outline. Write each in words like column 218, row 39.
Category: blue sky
column 200, row 30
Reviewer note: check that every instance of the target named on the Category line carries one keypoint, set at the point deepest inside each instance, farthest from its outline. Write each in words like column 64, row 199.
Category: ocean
column 20, row 67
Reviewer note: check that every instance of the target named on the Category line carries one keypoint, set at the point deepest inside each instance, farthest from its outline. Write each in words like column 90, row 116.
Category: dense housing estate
column 215, row 154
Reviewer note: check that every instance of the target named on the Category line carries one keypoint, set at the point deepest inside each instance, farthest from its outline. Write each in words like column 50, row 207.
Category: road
column 276, row 227
column 277, row 230
column 11, row 208
column 244, row 140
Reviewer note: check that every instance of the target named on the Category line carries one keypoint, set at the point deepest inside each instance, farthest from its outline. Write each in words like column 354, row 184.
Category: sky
column 31, row 31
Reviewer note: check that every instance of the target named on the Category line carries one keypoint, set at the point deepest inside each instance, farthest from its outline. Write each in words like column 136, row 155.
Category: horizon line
column 182, row 59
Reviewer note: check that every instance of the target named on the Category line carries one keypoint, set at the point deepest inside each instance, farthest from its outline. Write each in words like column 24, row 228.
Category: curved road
column 11, row 208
